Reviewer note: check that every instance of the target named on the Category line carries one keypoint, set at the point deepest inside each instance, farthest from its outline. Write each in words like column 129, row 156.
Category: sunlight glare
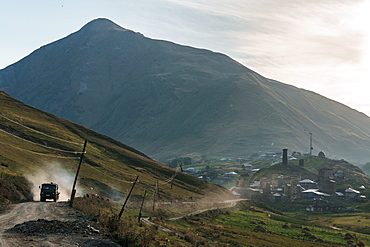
column 361, row 23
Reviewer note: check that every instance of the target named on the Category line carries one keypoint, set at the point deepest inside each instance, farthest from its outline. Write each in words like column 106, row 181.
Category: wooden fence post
column 141, row 206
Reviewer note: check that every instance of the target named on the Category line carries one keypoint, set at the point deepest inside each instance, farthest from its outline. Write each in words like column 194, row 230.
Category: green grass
column 274, row 225
column 239, row 227
column 358, row 222
column 219, row 227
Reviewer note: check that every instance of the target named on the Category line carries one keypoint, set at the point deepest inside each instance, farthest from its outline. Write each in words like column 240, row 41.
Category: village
column 319, row 195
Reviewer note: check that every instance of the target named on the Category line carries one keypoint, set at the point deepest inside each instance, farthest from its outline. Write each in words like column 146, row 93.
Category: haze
column 321, row 46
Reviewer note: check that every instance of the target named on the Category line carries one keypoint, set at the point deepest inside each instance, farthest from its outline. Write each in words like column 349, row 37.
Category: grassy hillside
column 44, row 148
column 168, row 100
column 248, row 223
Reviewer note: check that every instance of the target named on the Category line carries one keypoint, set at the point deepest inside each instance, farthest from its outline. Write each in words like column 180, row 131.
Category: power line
column 107, row 174
column 58, row 150
column 42, row 133
column 171, row 178
column 42, row 154
column 38, row 144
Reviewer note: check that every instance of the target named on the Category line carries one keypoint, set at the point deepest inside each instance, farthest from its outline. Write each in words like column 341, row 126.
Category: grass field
column 250, row 226
column 247, row 224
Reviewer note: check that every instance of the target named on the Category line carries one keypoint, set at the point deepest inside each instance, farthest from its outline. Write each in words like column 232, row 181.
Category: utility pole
column 141, row 206
column 154, row 194
column 128, row 196
column 73, row 193
column 181, row 164
column 311, row 144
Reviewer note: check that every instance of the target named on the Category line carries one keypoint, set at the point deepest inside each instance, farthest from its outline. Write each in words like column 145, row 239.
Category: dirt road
column 48, row 224
column 226, row 204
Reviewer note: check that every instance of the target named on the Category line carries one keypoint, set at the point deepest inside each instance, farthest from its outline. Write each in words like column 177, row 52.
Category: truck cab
column 49, row 191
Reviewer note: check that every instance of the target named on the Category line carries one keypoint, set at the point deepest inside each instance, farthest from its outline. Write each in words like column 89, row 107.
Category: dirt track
column 48, row 224
column 229, row 204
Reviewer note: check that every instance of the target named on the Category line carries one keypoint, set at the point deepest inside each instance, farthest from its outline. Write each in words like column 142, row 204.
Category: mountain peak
column 102, row 24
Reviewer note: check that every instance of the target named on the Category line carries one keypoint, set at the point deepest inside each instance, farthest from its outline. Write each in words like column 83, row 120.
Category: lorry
column 49, row 191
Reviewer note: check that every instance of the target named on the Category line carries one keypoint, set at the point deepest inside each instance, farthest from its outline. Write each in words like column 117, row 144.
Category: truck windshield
column 48, row 186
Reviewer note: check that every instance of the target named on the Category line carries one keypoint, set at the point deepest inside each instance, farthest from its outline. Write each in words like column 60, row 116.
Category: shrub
column 125, row 231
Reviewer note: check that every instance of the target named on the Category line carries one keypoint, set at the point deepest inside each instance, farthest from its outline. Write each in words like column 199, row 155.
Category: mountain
column 168, row 100
column 41, row 147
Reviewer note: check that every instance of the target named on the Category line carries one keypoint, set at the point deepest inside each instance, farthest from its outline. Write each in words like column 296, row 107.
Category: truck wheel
column 55, row 199
column 42, row 199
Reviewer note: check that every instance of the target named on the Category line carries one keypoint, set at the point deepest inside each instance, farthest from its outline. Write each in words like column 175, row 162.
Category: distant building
column 243, row 181
column 191, row 170
column 338, row 195
column 236, row 194
column 339, row 174
column 231, row 174
column 314, row 193
column 247, row 167
column 307, row 184
column 325, row 182
column 276, row 197
column 253, row 171
column 352, row 194
column 321, row 154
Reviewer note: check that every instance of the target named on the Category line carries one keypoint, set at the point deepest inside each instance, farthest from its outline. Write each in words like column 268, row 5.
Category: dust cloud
column 53, row 172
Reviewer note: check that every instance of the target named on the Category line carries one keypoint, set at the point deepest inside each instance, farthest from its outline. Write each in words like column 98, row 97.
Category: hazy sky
column 322, row 46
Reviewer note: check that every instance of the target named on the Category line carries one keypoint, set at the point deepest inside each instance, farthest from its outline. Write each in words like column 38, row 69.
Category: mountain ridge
column 168, row 100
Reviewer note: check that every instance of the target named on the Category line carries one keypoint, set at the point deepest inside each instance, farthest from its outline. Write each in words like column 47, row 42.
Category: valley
column 170, row 145
column 189, row 208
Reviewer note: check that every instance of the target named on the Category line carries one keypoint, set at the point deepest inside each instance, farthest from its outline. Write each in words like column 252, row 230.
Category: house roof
column 256, row 190
column 247, row 165
column 306, row 181
column 235, row 193
column 350, row 190
column 321, row 193
column 310, row 191
column 231, row 173
column 316, row 192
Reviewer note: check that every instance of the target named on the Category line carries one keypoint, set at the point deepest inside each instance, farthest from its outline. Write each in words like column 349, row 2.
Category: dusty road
column 48, row 224
column 227, row 204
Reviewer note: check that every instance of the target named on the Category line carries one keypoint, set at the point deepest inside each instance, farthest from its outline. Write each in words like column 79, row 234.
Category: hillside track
column 227, row 204
column 34, row 224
